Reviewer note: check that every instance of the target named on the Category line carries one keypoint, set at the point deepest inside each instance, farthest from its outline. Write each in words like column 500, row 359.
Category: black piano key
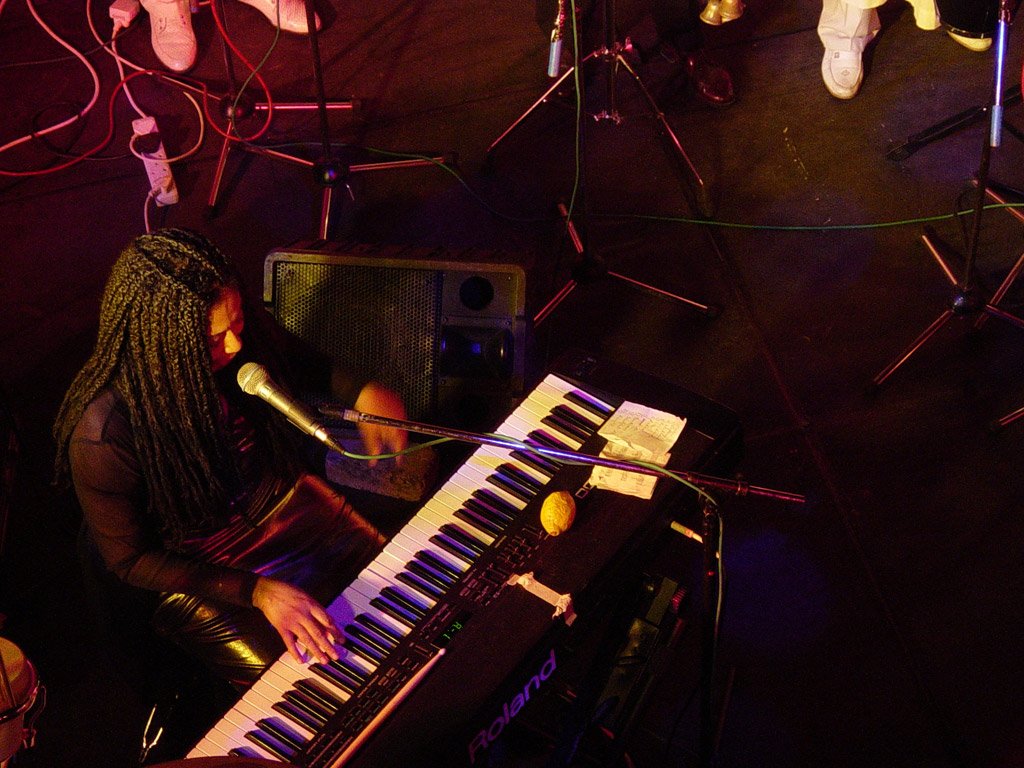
column 308, row 704
column 577, row 418
column 245, row 752
column 368, row 638
column 369, row 653
column 319, row 694
column 523, row 478
column 478, row 521
column 274, row 747
column 441, row 580
column 510, row 486
column 454, row 547
column 349, row 669
column 379, row 627
column 464, row 537
column 547, row 440
column 421, row 586
column 404, row 599
column 396, row 612
column 583, row 400
column 439, row 564
column 298, row 715
column 542, row 464
column 565, row 426
column 336, row 676
column 492, row 506
column 282, row 733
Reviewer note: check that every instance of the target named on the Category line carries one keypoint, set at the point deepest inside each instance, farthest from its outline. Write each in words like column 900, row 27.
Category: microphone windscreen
column 557, row 512
column 251, row 376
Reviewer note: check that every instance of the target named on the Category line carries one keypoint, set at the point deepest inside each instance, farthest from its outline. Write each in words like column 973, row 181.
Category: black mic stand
column 329, row 169
column 586, row 266
column 966, row 301
column 737, row 487
column 709, row 538
column 711, row 595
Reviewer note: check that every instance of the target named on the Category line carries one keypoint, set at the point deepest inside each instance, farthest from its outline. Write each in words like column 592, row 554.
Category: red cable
column 106, row 140
column 262, row 83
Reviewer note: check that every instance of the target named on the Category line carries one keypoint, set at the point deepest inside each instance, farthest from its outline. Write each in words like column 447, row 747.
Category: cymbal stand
column 329, row 170
column 611, row 56
column 966, row 301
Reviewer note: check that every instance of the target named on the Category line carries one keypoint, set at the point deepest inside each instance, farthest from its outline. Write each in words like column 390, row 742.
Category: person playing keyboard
column 198, row 500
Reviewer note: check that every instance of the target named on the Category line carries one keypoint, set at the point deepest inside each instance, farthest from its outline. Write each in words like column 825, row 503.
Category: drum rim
column 33, row 690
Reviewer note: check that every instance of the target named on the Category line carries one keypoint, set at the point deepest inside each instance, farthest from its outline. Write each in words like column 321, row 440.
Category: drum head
column 223, row 762
column 17, row 696
column 20, row 674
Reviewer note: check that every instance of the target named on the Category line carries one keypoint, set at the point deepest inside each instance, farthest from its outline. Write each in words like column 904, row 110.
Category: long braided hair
column 153, row 347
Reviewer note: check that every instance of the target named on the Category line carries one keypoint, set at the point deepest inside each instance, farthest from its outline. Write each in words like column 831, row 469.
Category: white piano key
column 384, row 581
column 252, row 711
column 439, row 516
column 474, row 481
column 361, row 604
column 410, row 546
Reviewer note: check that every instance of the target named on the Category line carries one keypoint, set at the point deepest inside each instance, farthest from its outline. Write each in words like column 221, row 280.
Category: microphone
column 555, row 52
column 254, row 379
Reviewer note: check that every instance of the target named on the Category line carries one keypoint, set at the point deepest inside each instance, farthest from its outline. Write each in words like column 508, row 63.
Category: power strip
column 147, row 142
column 123, row 12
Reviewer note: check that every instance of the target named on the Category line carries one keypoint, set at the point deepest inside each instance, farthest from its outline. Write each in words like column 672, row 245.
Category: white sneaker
column 926, row 14
column 842, row 72
column 174, row 42
column 293, row 14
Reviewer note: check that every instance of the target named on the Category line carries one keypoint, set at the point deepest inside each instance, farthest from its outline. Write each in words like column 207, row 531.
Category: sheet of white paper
column 636, row 432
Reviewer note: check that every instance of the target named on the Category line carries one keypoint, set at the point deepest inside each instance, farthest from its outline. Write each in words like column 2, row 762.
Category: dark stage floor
column 877, row 624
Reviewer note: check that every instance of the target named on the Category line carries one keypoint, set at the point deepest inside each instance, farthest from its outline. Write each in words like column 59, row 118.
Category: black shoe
column 712, row 83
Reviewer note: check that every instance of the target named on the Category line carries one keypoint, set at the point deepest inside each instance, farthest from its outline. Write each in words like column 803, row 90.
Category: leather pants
column 312, row 539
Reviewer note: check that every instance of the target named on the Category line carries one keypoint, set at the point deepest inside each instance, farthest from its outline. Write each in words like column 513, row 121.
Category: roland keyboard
column 434, row 634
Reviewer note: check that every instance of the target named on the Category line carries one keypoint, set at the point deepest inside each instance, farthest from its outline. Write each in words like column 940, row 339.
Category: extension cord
column 161, row 180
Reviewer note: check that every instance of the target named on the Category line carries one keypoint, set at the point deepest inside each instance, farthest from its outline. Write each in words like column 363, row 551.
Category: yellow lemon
column 557, row 512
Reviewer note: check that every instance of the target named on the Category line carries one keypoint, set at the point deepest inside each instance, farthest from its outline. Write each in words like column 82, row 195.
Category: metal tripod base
column 612, row 55
column 965, row 303
column 329, row 173
column 708, row 310
column 225, row 147
column 1000, row 292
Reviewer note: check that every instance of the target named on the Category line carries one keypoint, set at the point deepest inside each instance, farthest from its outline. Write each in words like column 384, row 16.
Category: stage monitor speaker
column 444, row 329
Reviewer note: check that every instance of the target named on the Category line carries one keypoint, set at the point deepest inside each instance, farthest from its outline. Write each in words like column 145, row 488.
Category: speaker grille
column 448, row 336
column 381, row 322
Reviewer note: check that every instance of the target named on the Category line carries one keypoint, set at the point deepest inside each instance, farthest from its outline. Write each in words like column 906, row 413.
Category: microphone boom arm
column 737, row 487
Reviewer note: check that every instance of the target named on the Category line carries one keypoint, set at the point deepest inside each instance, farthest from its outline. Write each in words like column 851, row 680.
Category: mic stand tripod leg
column 1015, row 271
column 699, row 188
column 218, row 175
column 707, row 310
column 542, row 100
column 712, row 600
column 1004, row 421
column 961, row 305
